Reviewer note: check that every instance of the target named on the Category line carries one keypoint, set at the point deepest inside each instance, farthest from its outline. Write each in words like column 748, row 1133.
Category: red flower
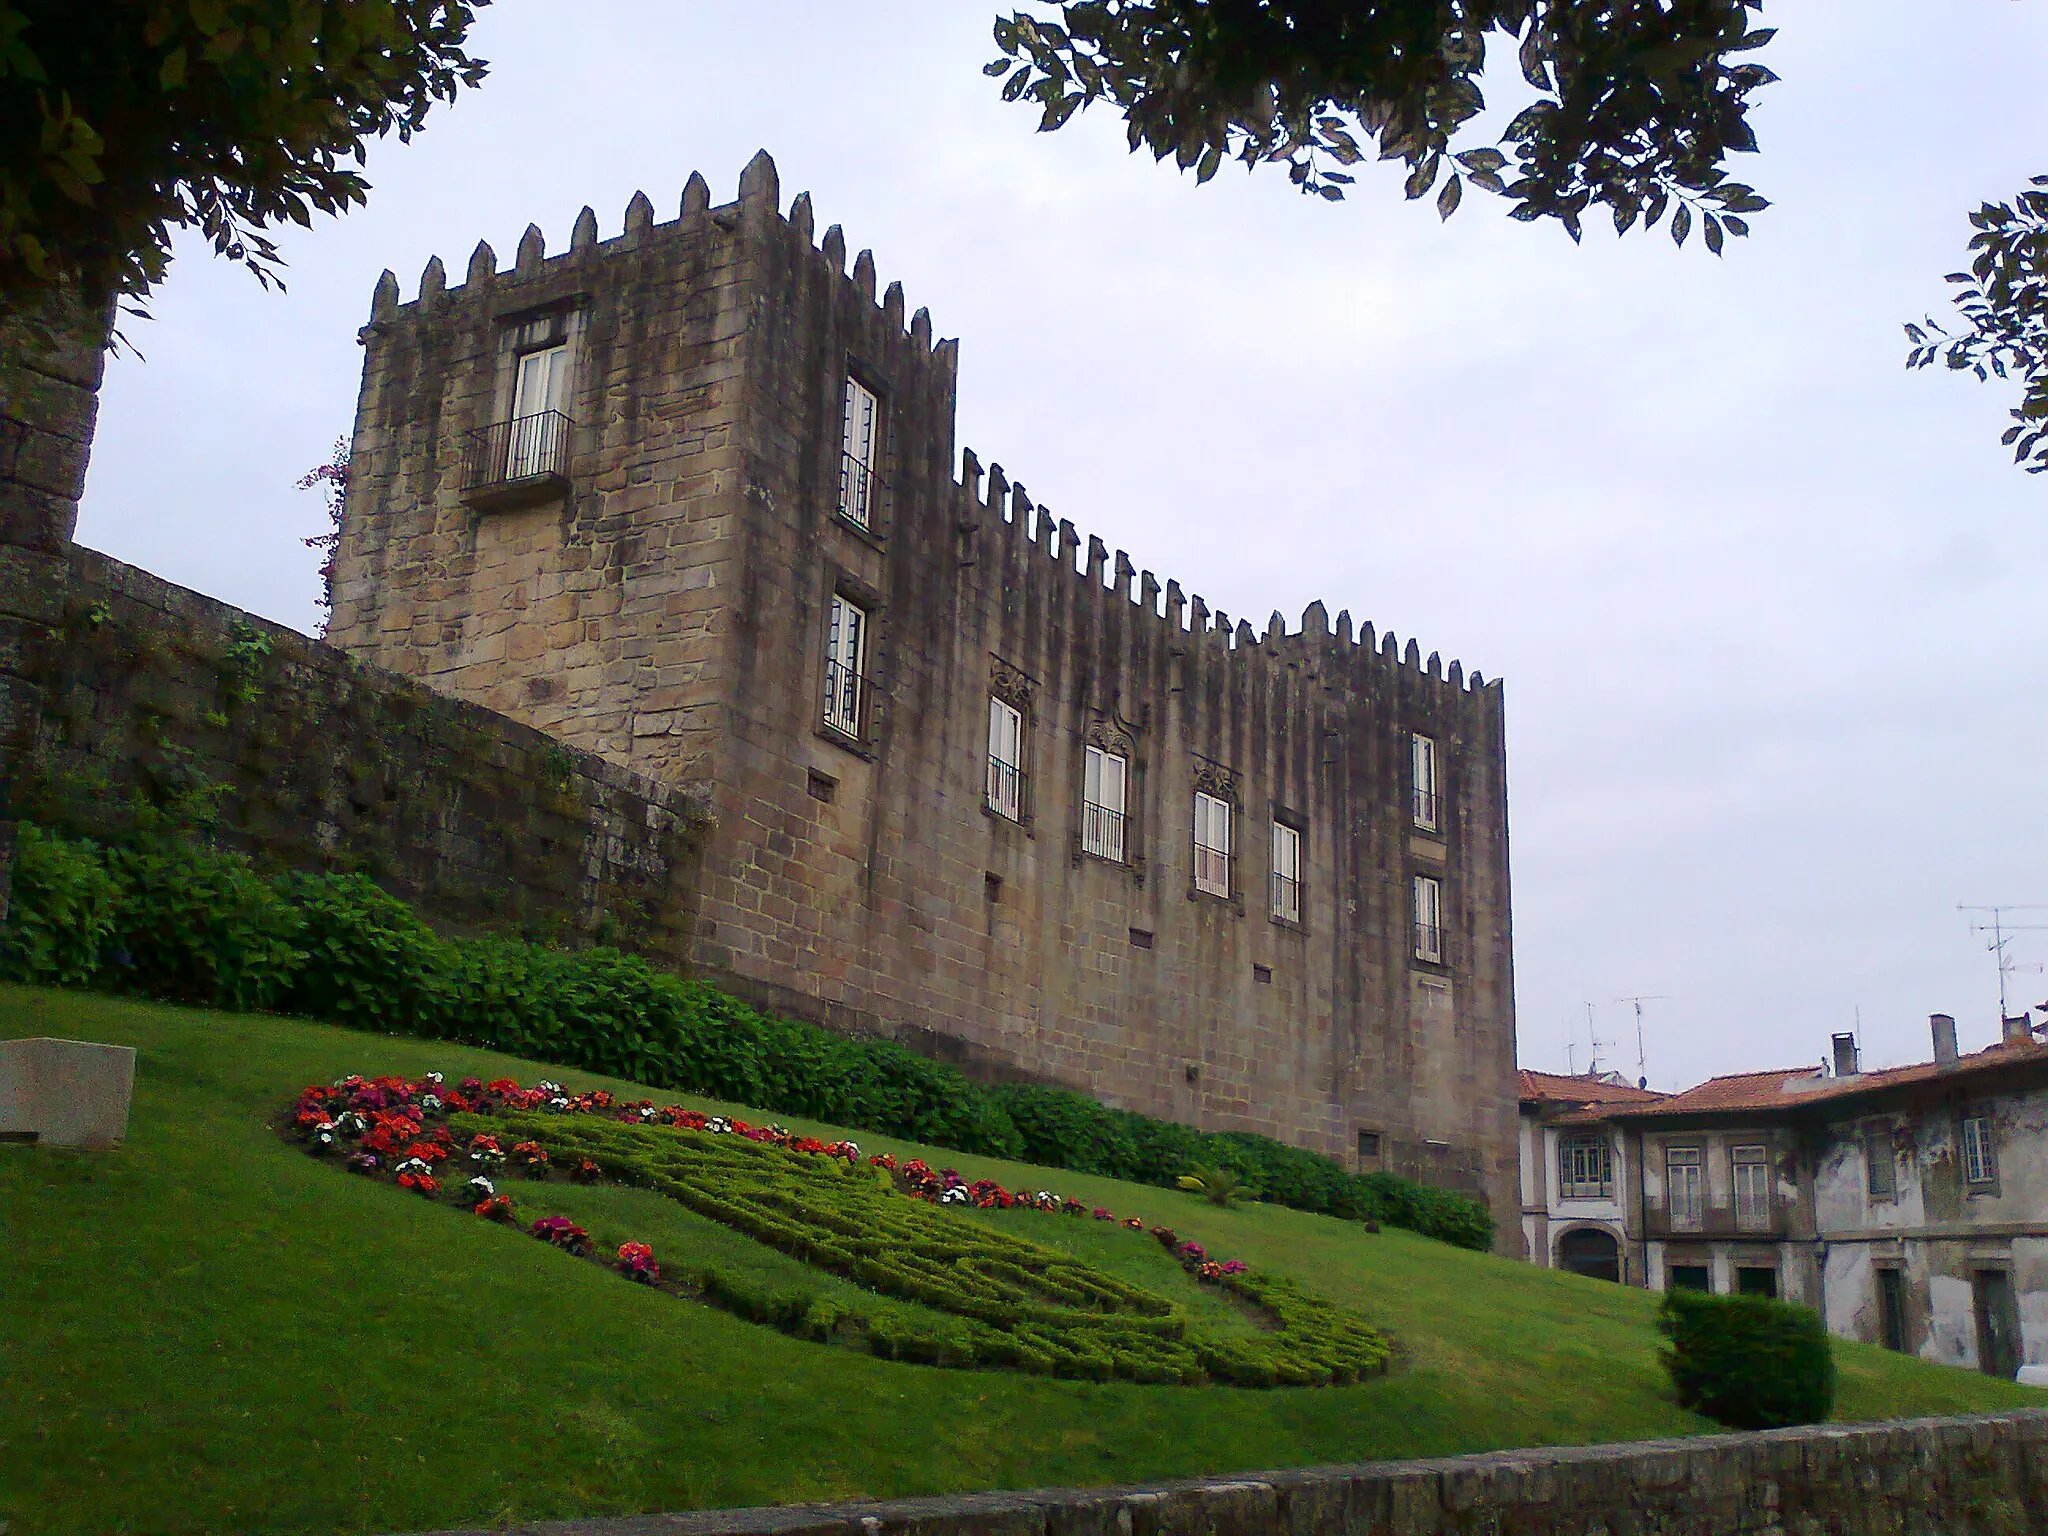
column 636, row 1262
column 419, row 1183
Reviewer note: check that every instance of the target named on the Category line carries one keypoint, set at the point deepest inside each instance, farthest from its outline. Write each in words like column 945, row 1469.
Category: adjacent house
column 1908, row 1205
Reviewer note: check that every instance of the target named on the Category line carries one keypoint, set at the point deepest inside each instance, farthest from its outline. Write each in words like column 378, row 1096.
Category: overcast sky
column 1768, row 608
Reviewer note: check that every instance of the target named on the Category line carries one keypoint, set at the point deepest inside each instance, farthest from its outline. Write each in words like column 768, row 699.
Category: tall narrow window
column 1286, row 873
column 1005, row 760
column 1429, row 919
column 1425, row 776
column 1212, row 844
column 861, row 435
column 1682, row 1187
column 846, row 640
column 535, row 441
column 1752, row 1188
column 1980, row 1161
column 1891, row 1309
column 1879, row 1166
column 1103, row 776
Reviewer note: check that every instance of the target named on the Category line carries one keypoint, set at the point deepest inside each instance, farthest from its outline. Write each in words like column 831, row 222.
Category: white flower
column 482, row 1187
column 719, row 1124
column 558, row 1102
column 413, row 1165
column 957, row 1195
column 435, row 1078
column 546, row 1087
column 351, row 1124
column 323, row 1134
column 431, row 1103
column 649, row 1112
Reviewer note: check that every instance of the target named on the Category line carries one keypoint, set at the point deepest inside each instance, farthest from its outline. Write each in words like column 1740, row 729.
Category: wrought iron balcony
column 1007, row 785
column 512, row 463
column 1213, row 871
column 1102, row 831
column 846, row 700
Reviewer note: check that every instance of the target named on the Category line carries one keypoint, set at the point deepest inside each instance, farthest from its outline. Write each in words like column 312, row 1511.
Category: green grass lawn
column 206, row 1330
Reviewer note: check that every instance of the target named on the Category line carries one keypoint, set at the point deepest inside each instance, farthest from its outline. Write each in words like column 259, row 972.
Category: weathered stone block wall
column 1979, row 1476
column 159, row 698
column 669, row 609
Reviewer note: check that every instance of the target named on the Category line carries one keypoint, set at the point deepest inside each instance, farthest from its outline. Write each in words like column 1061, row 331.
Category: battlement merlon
column 1006, row 512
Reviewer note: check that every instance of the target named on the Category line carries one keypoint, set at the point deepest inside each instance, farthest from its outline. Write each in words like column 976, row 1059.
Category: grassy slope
column 205, row 1330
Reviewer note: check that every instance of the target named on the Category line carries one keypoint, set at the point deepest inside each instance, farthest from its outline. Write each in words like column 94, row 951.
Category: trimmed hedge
column 180, row 920
column 1010, row 1302
column 1748, row 1361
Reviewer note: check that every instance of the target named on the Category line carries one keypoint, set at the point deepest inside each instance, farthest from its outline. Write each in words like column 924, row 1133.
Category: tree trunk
column 50, row 365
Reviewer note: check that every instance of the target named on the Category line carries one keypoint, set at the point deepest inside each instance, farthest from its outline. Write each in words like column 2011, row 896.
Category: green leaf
column 1713, row 234
column 1447, row 200
column 172, row 75
column 1681, row 223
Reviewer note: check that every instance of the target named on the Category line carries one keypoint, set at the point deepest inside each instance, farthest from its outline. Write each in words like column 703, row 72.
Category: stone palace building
column 689, row 498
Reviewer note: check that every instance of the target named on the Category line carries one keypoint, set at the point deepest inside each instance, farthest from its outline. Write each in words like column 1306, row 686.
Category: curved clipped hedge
column 180, row 920
column 1013, row 1303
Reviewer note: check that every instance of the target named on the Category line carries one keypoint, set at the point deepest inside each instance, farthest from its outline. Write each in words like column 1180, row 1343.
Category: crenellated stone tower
column 689, row 498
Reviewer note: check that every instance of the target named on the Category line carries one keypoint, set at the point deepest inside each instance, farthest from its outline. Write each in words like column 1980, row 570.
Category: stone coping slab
column 1983, row 1472
column 65, row 1093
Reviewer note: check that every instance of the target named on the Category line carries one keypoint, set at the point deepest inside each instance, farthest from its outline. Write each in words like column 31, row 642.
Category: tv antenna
column 1997, row 935
column 1642, row 1077
column 1593, row 1064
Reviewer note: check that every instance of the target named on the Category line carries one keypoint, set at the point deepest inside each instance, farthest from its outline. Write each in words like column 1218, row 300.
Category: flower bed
column 883, row 1225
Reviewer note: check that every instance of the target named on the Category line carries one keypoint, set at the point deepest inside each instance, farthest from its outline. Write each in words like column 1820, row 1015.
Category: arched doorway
column 1590, row 1251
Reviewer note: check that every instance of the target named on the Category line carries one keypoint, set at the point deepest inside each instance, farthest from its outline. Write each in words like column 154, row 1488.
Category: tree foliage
column 1638, row 102
column 2003, row 303
column 124, row 120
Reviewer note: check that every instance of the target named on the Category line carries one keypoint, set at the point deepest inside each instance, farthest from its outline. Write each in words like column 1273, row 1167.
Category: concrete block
column 65, row 1093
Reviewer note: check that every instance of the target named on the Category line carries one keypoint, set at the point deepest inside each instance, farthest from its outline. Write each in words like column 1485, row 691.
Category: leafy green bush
column 178, row 919
column 62, row 915
column 1747, row 1361
column 198, row 926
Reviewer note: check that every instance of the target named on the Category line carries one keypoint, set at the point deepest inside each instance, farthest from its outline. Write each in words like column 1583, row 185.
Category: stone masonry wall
column 1978, row 1476
column 163, row 702
column 667, row 607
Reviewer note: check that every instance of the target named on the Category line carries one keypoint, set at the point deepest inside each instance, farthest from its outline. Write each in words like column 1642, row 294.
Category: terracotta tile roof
column 1789, row 1088
column 1555, row 1088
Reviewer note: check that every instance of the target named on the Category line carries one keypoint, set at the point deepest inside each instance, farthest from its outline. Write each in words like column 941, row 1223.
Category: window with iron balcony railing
column 520, row 460
column 846, row 699
column 1287, row 898
column 1102, row 831
column 1006, row 788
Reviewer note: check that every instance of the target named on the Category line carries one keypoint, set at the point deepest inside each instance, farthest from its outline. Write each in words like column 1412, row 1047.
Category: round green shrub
column 1747, row 1361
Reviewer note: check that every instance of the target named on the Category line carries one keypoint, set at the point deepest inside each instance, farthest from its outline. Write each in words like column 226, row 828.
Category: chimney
column 1944, row 1026
column 1845, row 1056
column 2020, row 1030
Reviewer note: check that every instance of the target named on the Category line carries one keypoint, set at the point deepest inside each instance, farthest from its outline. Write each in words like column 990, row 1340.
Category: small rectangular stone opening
column 1141, row 938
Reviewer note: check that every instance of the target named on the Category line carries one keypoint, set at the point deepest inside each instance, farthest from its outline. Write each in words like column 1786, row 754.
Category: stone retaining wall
column 1979, row 1476
column 161, row 703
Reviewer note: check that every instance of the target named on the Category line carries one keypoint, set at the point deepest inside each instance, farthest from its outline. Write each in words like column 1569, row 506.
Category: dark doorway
column 1891, row 1309
column 1998, row 1323
column 1691, row 1277
column 1590, row 1252
column 1757, row 1282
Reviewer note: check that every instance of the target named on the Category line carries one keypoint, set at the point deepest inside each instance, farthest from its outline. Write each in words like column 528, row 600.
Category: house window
column 846, row 639
column 861, row 434
column 1368, row 1146
column 1286, row 873
column 1879, row 1166
column 1757, row 1280
column 1429, row 919
column 1005, row 760
column 1424, row 779
column 1690, row 1277
column 1212, row 844
column 1980, row 1160
column 1103, row 777
column 534, row 441
column 1752, row 1188
column 1585, row 1168
column 1682, row 1187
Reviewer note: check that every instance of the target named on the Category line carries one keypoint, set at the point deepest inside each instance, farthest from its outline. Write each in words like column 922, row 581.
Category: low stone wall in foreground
column 1985, row 1475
